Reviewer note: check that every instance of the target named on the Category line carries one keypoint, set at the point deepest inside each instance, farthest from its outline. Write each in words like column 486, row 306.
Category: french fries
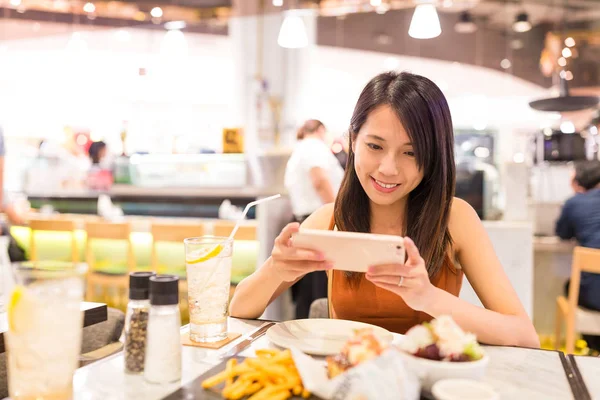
column 272, row 375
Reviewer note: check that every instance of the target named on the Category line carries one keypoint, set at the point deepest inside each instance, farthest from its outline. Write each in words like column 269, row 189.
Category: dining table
column 515, row 373
column 93, row 313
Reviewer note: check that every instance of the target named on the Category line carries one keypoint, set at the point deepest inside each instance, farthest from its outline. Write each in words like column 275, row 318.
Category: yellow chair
column 52, row 225
column 174, row 233
column 224, row 228
column 107, row 286
column 577, row 319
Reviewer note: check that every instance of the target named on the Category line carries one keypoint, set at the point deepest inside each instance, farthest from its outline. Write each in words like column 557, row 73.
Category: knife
column 248, row 341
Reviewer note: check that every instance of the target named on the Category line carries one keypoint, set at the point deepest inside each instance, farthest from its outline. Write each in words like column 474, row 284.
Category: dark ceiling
column 493, row 42
column 184, row 3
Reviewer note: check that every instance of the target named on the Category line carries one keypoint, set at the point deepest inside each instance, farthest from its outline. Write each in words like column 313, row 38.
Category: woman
column 400, row 180
column 312, row 178
column 99, row 175
column 97, row 152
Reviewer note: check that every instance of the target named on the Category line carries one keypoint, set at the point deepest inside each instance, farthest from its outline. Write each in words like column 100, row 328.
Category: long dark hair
column 423, row 110
column 310, row 126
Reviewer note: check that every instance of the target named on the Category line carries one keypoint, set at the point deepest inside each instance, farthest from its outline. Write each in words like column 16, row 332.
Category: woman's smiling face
column 384, row 158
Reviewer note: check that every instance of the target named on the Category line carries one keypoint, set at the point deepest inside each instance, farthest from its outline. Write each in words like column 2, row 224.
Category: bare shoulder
column 320, row 219
column 463, row 222
column 461, row 209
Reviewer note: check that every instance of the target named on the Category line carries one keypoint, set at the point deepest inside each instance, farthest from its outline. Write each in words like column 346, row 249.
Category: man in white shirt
column 312, row 178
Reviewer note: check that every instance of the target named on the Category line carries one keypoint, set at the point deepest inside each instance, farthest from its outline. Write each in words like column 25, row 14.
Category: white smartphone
column 352, row 251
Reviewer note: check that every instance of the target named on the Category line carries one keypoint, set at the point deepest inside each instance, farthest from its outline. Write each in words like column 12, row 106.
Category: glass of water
column 208, row 266
column 45, row 327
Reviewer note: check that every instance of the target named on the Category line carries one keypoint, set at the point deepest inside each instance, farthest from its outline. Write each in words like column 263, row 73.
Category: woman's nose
column 388, row 166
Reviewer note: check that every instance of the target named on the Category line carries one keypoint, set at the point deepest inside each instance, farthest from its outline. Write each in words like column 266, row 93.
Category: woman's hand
column 409, row 280
column 291, row 263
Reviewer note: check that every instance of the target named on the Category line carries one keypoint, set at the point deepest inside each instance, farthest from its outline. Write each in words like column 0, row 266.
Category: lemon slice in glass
column 20, row 309
column 211, row 254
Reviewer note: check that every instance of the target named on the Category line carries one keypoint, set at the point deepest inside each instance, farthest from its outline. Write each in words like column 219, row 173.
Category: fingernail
column 329, row 266
column 321, row 257
column 370, row 270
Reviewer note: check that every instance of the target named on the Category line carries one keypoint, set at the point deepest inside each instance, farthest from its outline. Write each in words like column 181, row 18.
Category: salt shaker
column 136, row 321
column 163, row 344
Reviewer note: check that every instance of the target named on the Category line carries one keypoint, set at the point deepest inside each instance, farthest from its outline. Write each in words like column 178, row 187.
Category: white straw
column 232, row 234
column 251, row 204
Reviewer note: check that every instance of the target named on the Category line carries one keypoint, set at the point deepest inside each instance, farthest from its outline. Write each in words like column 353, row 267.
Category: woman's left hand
column 409, row 280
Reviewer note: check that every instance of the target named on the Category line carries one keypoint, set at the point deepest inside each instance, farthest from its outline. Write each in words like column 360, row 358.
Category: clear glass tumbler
column 45, row 325
column 208, row 266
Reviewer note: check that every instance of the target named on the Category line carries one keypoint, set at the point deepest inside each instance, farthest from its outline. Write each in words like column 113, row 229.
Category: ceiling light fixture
column 465, row 23
column 425, row 23
column 569, row 42
column 292, row 34
column 89, row 8
column 522, row 23
column 156, row 12
column 569, row 75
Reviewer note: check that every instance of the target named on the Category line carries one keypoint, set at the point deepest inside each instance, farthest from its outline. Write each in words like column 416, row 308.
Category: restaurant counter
column 152, row 201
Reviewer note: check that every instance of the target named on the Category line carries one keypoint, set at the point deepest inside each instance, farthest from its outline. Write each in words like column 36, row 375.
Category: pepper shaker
column 163, row 345
column 136, row 321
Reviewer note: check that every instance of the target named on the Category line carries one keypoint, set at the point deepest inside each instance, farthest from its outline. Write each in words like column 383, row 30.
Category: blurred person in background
column 97, row 152
column 99, row 176
column 580, row 219
column 14, row 214
column 312, row 178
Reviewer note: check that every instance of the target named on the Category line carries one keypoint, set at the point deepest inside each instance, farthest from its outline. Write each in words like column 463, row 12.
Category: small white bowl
column 431, row 371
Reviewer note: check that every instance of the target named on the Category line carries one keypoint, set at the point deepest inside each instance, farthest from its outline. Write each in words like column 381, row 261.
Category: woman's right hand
column 291, row 263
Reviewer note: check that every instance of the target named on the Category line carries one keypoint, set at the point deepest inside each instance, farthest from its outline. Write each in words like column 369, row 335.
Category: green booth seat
column 110, row 255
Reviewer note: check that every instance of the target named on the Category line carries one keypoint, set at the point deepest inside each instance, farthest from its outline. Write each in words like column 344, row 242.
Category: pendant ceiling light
column 292, row 34
column 425, row 23
column 565, row 102
column 522, row 23
column 465, row 23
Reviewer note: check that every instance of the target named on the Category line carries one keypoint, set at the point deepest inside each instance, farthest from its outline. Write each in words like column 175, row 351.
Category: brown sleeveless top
column 368, row 303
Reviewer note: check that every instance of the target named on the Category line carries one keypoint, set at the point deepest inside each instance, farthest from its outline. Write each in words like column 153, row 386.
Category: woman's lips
column 384, row 187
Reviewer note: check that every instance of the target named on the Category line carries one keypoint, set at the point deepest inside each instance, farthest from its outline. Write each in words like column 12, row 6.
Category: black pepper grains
column 136, row 321
column 135, row 341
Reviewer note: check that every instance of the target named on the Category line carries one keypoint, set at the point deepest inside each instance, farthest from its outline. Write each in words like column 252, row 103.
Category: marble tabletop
column 590, row 371
column 516, row 373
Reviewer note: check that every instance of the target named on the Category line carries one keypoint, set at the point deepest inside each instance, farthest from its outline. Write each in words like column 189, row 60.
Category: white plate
column 320, row 337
